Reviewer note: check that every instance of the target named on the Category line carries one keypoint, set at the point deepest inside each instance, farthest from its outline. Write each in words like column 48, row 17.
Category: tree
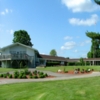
column 97, row 2
column 53, row 52
column 23, row 37
column 82, row 61
column 95, row 47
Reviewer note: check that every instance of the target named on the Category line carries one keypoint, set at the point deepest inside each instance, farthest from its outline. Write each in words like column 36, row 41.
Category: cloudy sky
column 51, row 24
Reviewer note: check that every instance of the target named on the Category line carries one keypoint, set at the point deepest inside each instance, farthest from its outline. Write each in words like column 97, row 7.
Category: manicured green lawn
column 55, row 69
column 74, row 89
column 8, row 69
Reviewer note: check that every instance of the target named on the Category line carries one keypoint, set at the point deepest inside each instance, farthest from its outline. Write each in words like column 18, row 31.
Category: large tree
column 23, row 37
column 53, row 52
column 97, row 2
column 95, row 47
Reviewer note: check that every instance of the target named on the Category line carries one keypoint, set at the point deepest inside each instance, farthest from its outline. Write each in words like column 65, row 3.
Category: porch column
column 93, row 62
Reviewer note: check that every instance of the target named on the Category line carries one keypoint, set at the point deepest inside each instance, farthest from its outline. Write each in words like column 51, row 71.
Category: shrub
column 10, row 76
column 23, row 76
column 1, row 75
column 16, row 76
column 5, row 75
column 35, row 72
column 26, row 71
column 41, row 76
column 41, row 73
column 45, row 74
column 22, row 72
column 31, row 76
column 35, row 76
column 16, row 73
column 20, row 76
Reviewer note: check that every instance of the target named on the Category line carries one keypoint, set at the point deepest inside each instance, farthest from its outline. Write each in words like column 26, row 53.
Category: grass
column 74, row 89
column 8, row 69
column 55, row 69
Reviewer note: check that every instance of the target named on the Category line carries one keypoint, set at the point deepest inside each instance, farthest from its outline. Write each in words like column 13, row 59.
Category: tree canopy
column 97, row 2
column 53, row 52
column 95, row 47
column 23, row 37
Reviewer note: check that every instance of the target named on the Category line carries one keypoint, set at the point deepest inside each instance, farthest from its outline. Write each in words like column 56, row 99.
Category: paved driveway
column 57, row 77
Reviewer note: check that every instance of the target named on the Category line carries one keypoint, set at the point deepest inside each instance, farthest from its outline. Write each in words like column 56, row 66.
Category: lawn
column 74, row 89
column 55, row 69
column 8, row 69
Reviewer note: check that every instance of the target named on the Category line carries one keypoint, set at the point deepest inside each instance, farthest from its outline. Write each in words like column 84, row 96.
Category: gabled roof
column 55, row 58
column 17, row 43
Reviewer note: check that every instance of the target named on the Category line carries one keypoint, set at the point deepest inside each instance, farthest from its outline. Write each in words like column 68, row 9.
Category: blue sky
column 51, row 24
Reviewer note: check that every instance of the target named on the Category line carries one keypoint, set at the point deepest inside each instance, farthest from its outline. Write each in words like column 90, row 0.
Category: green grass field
column 74, row 89
column 8, row 69
column 55, row 69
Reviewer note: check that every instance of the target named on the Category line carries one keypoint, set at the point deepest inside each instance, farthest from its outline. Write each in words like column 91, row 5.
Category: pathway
column 57, row 77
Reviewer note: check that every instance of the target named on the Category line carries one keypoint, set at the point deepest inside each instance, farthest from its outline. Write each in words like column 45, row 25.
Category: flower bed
column 25, row 75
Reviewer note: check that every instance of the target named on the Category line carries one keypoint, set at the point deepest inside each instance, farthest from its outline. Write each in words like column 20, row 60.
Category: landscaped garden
column 68, row 68
column 25, row 74
column 73, row 89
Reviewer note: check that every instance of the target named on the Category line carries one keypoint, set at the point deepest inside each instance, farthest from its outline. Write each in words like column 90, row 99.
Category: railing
column 15, row 57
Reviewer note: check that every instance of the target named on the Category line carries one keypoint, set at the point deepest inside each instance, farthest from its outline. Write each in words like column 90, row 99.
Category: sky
column 51, row 24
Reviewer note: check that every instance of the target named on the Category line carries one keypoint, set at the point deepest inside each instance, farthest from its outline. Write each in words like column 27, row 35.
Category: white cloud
column 86, row 22
column 6, row 11
column 2, row 13
column 68, row 45
column 80, row 5
column 68, row 38
column 11, row 31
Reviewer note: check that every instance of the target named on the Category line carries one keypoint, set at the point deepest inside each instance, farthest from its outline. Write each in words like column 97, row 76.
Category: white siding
column 6, row 51
column 30, row 52
column 17, row 48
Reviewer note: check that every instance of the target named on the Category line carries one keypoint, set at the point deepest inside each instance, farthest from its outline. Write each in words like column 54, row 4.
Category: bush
column 41, row 76
column 35, row 76
column 20, row 76
column 41, row 73
column 16, row 73
column 16, row 76
column 10, row 76
column 1, row 75
column 23, row 76
column 35, row 72
column 26, row 72
column 5, row 75
column 22, row 72
column 31, row 76
column 45, row 74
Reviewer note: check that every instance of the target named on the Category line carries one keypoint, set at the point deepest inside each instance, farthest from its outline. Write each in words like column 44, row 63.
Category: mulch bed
column 72, row 72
